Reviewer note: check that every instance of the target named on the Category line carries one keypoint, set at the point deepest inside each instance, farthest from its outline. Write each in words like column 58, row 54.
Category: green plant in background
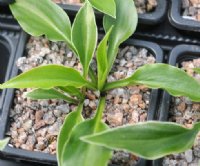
column 90, row 142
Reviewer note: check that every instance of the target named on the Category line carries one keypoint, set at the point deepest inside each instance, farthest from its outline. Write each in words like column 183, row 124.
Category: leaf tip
column 3, row 143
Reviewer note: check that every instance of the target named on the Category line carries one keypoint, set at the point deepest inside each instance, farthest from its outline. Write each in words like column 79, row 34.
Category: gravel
column 34, row 125
column 185, row 112
column 143, row 6
column 191, row 9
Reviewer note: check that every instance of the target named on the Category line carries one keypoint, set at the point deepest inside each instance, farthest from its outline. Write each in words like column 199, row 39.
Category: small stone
column 91, row 96
column 122, row 62
column 189, row 155
column 54, row 129
column 22, row 137
column 86, row 102
column 27, row 125
column 39, row 124
column 135, row 99
column 57, row 113
column 115, row 119
column 40, row 146
column 49, row 118
column 92, row 104
column 117, row 100
column 38, row 116
column 181, row 107
column 185, row 3
column 64, row 108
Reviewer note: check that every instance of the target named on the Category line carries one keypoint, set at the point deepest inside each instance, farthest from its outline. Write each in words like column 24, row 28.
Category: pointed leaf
column 73, row 119
column 84, row 35
column 46, row 77
column 46, row 18
column 102, row 62
column 106, row 6
column 124, row 26
column 49, row 94
column 3, row 143
column 172, row 79
column 80, row 153
column 150, row 140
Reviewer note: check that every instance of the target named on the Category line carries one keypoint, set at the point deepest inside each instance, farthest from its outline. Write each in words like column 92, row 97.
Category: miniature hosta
column 90, row 142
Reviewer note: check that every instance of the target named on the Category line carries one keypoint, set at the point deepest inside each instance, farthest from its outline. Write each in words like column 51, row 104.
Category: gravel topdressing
column 185, row 112
column 143, row 6
column 34, row 125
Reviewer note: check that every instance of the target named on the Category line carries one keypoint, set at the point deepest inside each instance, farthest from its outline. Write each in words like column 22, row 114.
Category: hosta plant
column 90, row 142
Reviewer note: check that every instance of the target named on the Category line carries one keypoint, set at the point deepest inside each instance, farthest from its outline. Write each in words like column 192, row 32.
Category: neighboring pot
column 39, row 157
column 178, row 21
column 178, row 55
column 8, row 49
column 151, row 18
column 6, row 19
column 10, row 46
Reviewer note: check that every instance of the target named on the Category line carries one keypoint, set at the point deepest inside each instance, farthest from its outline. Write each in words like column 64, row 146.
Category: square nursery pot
column 11, row 45
column 151, row 18
column 42, row 158
column 178, row 55
column 176, row 19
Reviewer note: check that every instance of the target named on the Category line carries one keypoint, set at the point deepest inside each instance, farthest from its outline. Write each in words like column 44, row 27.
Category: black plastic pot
column 6, row 19
column 42, row 158
column 178, row 55
column 151, row 18
column 8, row 49
column 180, row 23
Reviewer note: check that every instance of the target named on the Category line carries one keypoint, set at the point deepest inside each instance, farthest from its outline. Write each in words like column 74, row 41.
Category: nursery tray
column 151, row 18
column 39, row 157
column 178, row 21
column 178, row 55
column 8, row 49
column 6, row 19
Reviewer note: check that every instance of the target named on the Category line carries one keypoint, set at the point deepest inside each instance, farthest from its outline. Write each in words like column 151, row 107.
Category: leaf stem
column 93, row 76
column 100, row 110
column 117, row 84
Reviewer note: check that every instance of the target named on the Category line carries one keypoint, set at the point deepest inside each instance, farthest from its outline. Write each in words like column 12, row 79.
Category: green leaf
column 105, row 6
column 124, row 26
column 49, row 94
column 47, row 77
column 150, row 140
column 3, row 143
column 80, row 153
column 197, row 70
column 84, row 35
column 72, row 91
column 172, row 79
column 102, row 62
column 72, row 119
column 46, row 18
